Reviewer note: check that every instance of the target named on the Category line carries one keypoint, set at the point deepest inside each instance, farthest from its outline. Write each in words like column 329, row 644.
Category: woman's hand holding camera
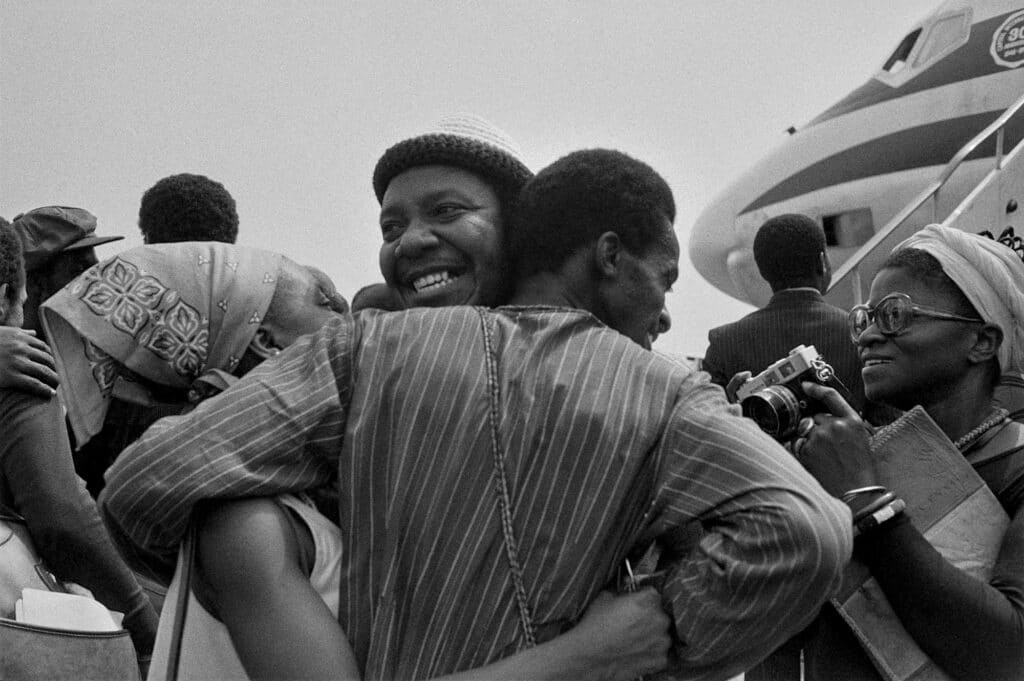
column 734, row 385
column 833, row 447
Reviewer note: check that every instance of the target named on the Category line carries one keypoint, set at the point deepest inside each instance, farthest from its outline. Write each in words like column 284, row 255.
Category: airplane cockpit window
column 849, row 228
column 898, row 59
column 944, row 36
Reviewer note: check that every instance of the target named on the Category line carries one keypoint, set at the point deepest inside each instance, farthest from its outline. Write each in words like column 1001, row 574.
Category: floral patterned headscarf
column 152, row 320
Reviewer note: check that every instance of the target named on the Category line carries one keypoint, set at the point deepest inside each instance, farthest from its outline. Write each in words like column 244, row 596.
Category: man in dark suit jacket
column 790, row 254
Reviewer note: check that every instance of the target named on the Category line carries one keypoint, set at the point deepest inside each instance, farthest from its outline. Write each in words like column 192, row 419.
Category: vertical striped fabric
column 607, row 447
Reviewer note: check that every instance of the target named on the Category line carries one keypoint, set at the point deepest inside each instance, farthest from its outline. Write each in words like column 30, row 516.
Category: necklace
column 997, row 417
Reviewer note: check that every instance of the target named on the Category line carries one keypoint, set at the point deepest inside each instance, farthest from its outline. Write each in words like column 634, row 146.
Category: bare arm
column 36, row 469
column 972, row 629
column 281, row 627
column 248, row 554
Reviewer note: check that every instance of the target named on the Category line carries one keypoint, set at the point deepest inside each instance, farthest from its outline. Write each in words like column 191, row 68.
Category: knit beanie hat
column 464, row 141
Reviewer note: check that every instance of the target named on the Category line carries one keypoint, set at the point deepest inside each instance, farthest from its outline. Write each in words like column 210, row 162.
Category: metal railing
column 850, row 272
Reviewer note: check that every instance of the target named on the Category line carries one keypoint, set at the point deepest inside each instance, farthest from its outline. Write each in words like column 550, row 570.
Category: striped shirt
column 606, row 447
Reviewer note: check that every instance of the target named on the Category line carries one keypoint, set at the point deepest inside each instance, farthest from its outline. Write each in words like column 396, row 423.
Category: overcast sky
column 289, row 104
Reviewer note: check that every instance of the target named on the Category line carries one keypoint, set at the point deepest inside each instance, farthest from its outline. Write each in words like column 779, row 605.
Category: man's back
column 792, row 317
column 581, row 411
column 605, row 447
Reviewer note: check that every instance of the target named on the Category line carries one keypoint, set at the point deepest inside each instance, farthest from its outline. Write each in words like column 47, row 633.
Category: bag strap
column 188, row 554
column 501, row 483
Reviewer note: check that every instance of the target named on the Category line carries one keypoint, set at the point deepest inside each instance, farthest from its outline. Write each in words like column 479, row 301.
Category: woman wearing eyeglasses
column 944, row 319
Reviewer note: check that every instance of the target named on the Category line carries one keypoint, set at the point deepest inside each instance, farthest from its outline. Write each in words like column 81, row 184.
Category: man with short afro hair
column 790, row 252
column 582, row 195
column 187, row 207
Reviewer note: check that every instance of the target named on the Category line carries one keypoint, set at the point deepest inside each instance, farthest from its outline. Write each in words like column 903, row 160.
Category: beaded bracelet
column 873, row 506
column 879, row 517
column 853, row 493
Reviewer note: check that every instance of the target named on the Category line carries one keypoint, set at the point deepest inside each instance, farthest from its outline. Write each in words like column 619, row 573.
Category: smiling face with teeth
column 926, row 363
column 442, row 230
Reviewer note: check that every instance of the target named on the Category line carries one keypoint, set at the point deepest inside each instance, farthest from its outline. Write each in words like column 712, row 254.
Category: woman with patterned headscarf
column 945, row 319
column 149, row 332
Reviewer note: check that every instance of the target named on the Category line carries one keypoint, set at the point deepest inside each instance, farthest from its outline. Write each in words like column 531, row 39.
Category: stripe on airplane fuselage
column 924, row 145
column 970, row 60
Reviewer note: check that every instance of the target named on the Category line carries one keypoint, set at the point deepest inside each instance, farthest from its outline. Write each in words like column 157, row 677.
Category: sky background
column 290, row 104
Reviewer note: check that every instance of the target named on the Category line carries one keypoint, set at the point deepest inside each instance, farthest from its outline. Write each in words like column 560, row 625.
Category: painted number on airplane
column 1008, row 42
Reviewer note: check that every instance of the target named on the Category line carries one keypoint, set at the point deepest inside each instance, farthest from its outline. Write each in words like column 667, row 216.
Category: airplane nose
column 711, row 240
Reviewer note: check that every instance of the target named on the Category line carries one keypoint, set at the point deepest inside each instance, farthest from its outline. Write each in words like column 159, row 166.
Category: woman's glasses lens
column 891, row 316
column 860, row 318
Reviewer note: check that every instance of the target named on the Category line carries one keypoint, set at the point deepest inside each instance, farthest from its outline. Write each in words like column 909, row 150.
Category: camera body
column 774, row 398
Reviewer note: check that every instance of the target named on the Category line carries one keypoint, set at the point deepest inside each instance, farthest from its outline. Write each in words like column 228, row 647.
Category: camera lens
column 776, row 410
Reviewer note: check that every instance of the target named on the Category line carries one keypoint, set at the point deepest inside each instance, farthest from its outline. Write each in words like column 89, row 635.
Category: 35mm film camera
column 774, row 398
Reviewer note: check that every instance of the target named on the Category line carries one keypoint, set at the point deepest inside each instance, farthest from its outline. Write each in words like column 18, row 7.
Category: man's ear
column 823, row 264
column 608, row 254
column 262, row 343
column 824, row 271
column 5, row 302
column 986, row 344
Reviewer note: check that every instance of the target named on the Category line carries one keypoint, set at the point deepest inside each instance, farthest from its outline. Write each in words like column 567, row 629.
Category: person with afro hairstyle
column 567, row 209
column 187, row 207
column 791, row 256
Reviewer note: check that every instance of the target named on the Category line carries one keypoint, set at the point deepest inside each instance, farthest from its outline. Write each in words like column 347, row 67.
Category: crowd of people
column 480, row 469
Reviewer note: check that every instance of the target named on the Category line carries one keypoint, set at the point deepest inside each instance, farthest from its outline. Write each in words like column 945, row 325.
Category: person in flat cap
column 445, row 200
column 59, row 244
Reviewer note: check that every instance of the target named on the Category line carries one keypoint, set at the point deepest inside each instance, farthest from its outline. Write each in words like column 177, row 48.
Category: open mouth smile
column 434, row 281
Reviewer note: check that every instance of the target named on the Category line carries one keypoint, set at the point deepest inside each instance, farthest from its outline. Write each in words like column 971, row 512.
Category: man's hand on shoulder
column 26, row 363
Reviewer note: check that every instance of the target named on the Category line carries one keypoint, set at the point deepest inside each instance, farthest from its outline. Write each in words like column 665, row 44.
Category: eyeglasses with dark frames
column 893, row 314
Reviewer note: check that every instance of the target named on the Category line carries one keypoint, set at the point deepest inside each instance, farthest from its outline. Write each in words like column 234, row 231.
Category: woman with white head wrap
column 943, row 322
column 989, row 274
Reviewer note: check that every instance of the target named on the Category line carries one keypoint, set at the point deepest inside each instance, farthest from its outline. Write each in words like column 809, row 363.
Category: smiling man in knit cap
column 446, row 198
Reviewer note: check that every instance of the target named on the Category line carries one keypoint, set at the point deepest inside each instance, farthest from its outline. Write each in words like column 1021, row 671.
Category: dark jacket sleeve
column 714, row 362
column 39, row 482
